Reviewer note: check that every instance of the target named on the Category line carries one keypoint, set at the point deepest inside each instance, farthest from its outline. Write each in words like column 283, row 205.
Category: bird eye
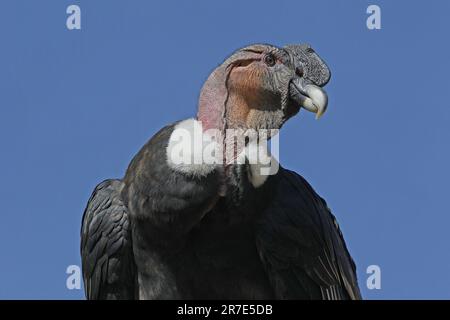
column 269, row 60
column 299, row 71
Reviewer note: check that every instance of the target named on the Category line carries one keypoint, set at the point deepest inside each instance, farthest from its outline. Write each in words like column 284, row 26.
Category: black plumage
column 109, row 271
column 277, row 241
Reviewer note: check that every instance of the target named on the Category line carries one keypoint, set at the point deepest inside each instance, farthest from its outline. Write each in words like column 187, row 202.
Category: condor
column 170, row 230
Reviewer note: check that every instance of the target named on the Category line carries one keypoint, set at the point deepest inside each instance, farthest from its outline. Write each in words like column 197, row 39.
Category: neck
column 213, row 96
column 215, row 116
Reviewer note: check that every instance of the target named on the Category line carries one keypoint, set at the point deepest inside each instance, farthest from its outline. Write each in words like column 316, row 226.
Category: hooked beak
column 306, row 90
column 309, row 96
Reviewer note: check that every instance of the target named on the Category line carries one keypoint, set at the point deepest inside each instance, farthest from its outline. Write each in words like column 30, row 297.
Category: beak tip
column 319, row 114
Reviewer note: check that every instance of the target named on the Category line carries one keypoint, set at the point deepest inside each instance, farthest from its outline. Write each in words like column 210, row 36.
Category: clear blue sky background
column 77, row 105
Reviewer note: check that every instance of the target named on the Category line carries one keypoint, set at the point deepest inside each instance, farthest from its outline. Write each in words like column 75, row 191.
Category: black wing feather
column 109, row 271
column 301, row 245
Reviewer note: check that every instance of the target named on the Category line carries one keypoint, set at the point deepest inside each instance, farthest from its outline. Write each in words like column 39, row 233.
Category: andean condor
column 175, row 229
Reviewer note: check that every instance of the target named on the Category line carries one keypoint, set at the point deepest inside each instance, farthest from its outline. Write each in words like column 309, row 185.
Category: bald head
column 261, row 86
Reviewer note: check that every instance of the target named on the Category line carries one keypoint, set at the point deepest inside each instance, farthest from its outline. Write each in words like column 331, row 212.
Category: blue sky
column 77, row 105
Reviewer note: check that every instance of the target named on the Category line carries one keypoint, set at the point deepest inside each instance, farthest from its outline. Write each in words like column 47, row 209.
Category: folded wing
column 109, row 270
column 301, row 245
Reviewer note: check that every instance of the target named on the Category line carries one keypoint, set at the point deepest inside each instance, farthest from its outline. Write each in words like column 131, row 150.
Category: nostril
column 299, row 71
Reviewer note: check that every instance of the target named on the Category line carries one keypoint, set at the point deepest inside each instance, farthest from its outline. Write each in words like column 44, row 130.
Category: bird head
column 261, row 86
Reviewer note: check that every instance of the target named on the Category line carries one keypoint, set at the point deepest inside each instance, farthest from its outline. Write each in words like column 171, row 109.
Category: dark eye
column 269, row 60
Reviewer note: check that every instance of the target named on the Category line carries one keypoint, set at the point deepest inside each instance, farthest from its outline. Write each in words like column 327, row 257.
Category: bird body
column 177, row 230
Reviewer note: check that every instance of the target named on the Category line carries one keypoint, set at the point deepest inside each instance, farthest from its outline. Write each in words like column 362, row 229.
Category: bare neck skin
column 212, row 101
